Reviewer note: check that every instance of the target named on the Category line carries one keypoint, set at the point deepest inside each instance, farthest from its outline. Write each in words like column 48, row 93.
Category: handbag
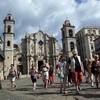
column 37, row 76
column 61, row 75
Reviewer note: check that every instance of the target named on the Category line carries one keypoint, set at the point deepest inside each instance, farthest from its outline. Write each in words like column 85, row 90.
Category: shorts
column 45, row 76
column 12, row 79
column 77, row 76
column 33, row 79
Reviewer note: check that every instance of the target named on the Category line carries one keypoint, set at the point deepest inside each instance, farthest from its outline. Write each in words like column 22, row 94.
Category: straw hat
column 74, row 51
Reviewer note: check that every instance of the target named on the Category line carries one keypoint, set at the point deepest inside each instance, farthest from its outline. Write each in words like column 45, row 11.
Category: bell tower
column 68, row 38
column 8, row 35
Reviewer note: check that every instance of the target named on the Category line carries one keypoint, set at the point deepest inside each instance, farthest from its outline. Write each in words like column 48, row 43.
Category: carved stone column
column 15, row 65
column 27, row 65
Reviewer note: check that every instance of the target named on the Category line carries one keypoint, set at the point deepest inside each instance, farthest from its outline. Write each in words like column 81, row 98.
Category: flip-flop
column 65, row 92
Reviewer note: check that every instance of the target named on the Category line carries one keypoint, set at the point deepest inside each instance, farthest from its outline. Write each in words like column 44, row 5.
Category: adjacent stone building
column 85, row 41
column 2, row 58
column 34, row 48
column 97, row 46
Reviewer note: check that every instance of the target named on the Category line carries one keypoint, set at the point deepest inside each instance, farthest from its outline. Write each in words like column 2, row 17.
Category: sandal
column 65, row 92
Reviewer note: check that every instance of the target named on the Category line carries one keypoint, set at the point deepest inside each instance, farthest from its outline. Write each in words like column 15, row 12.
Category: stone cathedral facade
column 34, row 47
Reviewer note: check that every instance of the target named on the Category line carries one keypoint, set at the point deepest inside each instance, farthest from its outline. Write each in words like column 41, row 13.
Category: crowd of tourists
column 71, row 68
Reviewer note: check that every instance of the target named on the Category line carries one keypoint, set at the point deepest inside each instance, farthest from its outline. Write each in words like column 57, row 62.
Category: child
column 33, row 73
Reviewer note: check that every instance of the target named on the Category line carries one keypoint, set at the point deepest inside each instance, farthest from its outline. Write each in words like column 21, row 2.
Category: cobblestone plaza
column 24, row 91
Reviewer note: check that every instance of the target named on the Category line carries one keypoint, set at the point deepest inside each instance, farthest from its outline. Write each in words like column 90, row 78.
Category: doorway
column 39, row 65
column 20, row 68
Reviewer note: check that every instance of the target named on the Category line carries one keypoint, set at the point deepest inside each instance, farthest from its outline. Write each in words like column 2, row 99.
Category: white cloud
column 49, row 14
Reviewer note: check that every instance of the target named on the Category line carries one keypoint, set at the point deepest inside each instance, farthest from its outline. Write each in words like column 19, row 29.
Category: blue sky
column 49, row 14
column 78, row 1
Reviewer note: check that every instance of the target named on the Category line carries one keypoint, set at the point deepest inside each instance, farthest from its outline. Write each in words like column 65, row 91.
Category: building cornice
column 97, row 38
column 8, row 33
column 86, row 28
column 8, row 20
column 68, row 27
column 68, row 37
column 86, row 35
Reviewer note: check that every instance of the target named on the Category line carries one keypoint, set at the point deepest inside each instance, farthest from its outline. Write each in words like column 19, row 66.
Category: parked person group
column 73, row 68
column 92, row 70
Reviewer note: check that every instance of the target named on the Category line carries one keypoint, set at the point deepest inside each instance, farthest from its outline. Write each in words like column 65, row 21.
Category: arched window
column 72, row 46
column 70, row 33
column 8, row 43
column 94, row 31
column 9, row 17
column 69, row 24
column 9, row 28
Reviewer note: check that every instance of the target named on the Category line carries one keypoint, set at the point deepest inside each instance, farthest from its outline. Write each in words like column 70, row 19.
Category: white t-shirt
column 63, row 66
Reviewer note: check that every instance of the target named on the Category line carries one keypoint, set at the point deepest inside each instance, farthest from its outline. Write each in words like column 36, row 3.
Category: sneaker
column 69, row 84
column 92, row 85
column 12, row 89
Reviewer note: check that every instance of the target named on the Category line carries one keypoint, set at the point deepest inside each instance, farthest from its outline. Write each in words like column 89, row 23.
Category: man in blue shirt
column 85, row 64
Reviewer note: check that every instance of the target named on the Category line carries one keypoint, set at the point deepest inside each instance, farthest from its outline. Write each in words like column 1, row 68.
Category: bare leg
column 91, row 78
column 46, row 84
column 61, row 86
column 96, row 80
column 76, row 85
column 64, row 83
